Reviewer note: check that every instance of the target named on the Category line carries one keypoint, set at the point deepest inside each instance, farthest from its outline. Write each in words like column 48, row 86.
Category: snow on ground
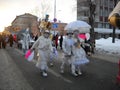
column 106, row 46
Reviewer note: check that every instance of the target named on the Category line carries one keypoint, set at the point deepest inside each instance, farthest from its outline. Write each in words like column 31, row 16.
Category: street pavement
column 16, row 73
column 11, row 77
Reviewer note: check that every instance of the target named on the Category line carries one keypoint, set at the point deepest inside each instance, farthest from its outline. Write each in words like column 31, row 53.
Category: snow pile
column 106, row 46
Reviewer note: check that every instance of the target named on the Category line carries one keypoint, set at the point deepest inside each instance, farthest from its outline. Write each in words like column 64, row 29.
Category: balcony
column 83, row 9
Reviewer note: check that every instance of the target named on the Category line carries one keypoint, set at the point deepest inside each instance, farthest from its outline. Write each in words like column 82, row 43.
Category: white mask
column 46, row 35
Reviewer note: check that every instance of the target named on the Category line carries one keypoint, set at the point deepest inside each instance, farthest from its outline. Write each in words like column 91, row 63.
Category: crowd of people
column 46, row 49
column 7, row 39
column 73, row 53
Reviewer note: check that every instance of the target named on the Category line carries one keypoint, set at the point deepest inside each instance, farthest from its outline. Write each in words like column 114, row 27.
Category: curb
column 105, row 57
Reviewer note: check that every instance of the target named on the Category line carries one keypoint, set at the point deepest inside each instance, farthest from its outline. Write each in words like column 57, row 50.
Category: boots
column 62, row 68
column 73, row 70
column 79, row 72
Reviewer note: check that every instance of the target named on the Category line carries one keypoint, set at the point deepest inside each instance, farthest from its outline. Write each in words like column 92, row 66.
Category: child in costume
column 79, row 58
column 53, row 54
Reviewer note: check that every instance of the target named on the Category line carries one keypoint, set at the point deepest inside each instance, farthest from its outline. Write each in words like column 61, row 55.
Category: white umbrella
column 82, row 26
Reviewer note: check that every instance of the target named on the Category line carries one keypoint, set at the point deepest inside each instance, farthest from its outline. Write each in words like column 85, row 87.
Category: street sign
column 55, row 25
column 55, row 19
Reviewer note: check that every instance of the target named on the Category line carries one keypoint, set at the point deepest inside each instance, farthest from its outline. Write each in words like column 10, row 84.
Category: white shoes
column 44, row 74
column 51, row 64
column 62, row 71
column 79, row 73
column 74, row 74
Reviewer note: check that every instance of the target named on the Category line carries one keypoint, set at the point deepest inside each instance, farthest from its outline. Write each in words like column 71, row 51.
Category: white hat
column 47, row 31
column 27, row 29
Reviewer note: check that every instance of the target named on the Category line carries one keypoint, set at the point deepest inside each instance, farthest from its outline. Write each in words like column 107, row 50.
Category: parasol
column 82, row 26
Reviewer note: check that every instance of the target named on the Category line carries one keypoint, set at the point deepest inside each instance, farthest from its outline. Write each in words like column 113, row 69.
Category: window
column 99, row 25
column 101, row 18
column 111, row 4
column 101, row 12
column 106, row 12
column 107, row 25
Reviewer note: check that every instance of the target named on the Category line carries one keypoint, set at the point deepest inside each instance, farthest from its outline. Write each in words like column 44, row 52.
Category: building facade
column 24, row 21
column 103, row 9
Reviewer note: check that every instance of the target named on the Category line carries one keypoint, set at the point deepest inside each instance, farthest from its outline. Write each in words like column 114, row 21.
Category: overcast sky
column 9, row 9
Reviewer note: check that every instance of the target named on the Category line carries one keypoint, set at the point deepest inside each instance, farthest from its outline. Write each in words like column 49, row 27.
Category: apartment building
column 103, row 9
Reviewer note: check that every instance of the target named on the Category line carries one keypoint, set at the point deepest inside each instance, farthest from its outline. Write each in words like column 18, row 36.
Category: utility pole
column 54, row 9
column 54, row 14
column 92, row 8
column 113, row 36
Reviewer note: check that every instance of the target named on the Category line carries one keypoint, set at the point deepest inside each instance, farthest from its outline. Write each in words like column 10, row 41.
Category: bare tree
column 45, row 7
column 42, row 9
column 74, row 7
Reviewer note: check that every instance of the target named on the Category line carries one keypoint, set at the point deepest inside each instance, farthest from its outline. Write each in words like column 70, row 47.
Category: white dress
column 79, row 56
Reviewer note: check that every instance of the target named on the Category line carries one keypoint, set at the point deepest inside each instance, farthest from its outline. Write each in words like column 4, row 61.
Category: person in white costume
column 68, row 43
column 44, row 48
column 26, row 41
column 79, row 58
column 54, row 54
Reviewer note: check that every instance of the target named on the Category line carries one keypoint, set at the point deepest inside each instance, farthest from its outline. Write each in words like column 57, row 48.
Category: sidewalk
column 106, row 57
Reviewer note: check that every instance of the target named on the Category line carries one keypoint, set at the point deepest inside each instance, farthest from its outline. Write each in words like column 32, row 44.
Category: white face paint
column 46, row 35
column 76, row 32
column 70, row 35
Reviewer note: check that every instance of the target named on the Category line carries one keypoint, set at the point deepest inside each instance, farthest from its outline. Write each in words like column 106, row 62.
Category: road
column 16, row 73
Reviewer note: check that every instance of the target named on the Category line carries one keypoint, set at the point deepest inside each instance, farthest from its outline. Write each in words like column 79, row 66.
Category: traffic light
column 115, row 20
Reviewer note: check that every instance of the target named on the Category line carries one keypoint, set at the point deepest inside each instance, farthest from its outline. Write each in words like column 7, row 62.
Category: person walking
column 61, row 41
column 26, row 41
column 3, row 41
column 68, row 43
column 54, row 54
column 44, row 46
column 78, row 59
column 10, row 40
column 87, row 47
column 56, row 41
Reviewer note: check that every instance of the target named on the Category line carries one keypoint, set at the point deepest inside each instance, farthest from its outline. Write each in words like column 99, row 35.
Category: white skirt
column 81, row 61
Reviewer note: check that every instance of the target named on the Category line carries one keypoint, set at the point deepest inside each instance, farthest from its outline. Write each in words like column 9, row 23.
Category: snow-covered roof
column 104, row 30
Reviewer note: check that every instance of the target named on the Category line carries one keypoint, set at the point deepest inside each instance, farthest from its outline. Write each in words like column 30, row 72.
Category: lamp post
column 92, row 8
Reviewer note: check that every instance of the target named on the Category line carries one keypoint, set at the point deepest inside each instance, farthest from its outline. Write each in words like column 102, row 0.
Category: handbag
column 31, row 56
column 27, row 54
